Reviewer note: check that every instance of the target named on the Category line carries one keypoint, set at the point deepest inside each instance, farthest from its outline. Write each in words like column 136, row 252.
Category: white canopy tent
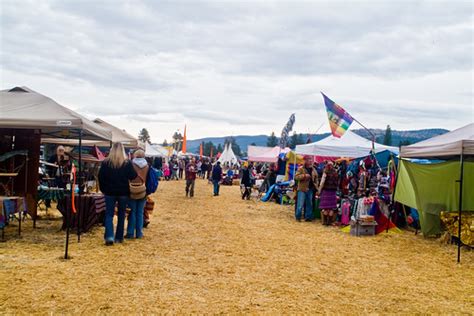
column 455, row 143
column 152, row 151
column 162, row 150
column 350, row 145
column 228, row 156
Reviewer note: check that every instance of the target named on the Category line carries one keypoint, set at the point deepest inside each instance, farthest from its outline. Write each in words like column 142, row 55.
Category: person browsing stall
column 137, row 199
column 307, row 178
column 114, row 176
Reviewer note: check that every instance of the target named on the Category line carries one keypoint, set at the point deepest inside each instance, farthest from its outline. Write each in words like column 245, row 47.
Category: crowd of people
column 124, row 182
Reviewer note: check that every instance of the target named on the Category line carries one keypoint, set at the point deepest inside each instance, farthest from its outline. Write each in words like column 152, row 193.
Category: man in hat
column 307, row 178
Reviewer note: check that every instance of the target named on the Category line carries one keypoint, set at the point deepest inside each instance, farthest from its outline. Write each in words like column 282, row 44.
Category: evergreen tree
column 207, row 149
column 300, row 139
column 144, row 136
column 165, row 143
column 387, row 140
column 404, row 143
column 177, row 141
column 235, row 147
column 219, row 149
column 253, row 144
column 272, row 141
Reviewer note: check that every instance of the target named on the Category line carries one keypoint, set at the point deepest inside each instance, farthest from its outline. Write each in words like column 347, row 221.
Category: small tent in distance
column 228, row 158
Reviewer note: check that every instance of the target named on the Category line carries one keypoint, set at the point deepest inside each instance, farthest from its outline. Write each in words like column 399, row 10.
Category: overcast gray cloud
column 243, row 67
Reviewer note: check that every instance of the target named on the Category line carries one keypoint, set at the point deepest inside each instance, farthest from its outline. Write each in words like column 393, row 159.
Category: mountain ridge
column 412, row 136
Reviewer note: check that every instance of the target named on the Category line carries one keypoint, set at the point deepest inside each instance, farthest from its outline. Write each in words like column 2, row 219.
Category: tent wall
column 434, row 188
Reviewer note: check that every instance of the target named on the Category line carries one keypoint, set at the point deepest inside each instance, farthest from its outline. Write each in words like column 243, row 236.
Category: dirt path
column 223, row 255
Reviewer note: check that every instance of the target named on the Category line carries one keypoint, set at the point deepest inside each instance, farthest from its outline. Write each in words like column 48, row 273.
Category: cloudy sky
column 233, row 68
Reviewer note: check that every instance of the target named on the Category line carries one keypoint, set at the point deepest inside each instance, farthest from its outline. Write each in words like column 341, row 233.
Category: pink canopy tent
column 265, row 154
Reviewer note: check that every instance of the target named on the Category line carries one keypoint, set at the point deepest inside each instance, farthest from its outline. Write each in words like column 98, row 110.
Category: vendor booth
column 441, row 188
column 118, row 136
column 265, row 154
column 155, row 150
column 26, row 117
column 350, row 145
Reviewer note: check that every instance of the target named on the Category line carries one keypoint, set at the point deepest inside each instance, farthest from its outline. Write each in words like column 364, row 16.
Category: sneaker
column 298, row 219
column 119, row 241
column 128, row 237
column 145, row 224
column 308, row 220
column 109, row 243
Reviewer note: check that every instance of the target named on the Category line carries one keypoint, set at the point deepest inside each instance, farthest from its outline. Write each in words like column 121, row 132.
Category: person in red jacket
column 191, row 170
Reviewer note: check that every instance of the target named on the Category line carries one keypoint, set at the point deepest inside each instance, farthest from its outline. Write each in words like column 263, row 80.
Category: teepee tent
column 350, row 145
column 228, row 156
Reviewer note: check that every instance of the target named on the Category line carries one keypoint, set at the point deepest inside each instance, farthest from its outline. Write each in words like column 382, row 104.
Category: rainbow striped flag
column 339, row 119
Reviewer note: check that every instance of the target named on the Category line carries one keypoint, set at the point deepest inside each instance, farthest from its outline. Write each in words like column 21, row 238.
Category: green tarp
column 434, row 188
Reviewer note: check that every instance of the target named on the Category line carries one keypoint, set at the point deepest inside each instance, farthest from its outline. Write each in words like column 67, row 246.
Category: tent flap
column 434, row 188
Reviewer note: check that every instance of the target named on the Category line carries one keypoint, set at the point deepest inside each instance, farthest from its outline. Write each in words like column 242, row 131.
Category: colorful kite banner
column 339, row 119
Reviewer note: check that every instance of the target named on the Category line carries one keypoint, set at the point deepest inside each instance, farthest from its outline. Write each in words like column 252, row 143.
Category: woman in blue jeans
column 137, row 205
column 114, row 174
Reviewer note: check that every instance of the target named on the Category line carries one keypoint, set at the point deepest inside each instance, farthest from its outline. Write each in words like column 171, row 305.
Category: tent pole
column 294, row 167
column 392, row 204
column 460, row 207
column 68, row 224
column 370, row 132
column 79, row 183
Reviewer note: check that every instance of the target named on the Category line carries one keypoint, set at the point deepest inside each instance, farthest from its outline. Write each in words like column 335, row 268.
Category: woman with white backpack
column 138, row 192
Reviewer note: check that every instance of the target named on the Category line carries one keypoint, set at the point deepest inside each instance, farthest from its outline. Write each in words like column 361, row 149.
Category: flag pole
column 369, row 131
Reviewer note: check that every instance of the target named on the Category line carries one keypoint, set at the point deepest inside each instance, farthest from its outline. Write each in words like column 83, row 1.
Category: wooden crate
column 361, row 228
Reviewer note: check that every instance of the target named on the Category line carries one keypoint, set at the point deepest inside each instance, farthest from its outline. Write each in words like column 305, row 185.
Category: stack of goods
column 364, row 226
column 450, row 224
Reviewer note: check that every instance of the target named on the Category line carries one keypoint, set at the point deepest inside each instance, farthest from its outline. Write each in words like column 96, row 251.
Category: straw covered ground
column 223, row 255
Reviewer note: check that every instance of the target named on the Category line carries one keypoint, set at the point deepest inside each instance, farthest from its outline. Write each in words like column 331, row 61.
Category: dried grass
column 225, row 255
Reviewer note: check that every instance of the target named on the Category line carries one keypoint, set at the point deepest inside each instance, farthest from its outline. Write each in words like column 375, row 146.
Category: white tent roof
column 152, row 151
column 228, row 156
column 162, row 150
column 265, row 154
column 350, row 145
column 118, row 135
column 26, row 109
column 455, row 143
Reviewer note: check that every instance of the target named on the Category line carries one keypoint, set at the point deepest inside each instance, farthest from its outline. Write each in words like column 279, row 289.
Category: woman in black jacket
column 114, row 176
column 246, row 182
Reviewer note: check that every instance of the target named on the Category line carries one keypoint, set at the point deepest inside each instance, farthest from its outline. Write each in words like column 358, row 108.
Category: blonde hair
column 139, row 153
column 117, row 155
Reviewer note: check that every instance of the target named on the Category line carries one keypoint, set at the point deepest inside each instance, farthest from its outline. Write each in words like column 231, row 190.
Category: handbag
column 137, row 190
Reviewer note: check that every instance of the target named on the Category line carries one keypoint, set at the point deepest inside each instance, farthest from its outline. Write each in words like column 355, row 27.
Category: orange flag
column 183, row 149
column 200, row 150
